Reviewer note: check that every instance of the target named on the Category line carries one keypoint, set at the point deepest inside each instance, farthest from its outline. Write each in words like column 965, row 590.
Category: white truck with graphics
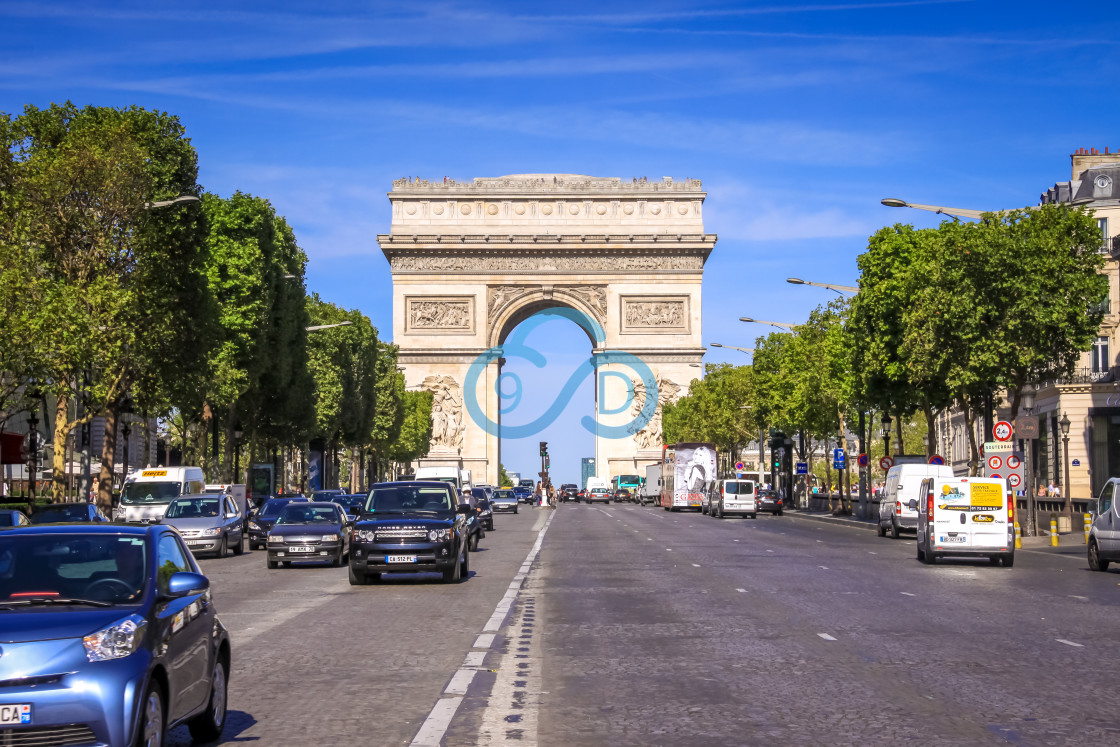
column 147, row 493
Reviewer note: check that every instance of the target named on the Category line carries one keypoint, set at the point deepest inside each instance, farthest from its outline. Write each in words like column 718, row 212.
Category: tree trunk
column 108, row 455
column 973, row 450
column 900, row 447
column 931, row 430
column 58, row 459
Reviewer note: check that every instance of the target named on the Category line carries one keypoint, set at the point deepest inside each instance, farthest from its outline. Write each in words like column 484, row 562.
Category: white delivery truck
column 146, row 495
column 651, row 488
column 899, row 504
column 450, row 475
column 966, row 516
column 239, row 493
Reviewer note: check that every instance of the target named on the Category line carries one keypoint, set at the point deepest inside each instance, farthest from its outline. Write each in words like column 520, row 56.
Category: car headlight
column 439, row 535
column 213, row 532
column 365, row 535
column 329, row 538
column 276, row 539
column 254, row 525
column 116, row 641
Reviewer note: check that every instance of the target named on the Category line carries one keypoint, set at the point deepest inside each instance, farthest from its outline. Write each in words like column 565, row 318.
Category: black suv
column 410, row 527
column 569, row 492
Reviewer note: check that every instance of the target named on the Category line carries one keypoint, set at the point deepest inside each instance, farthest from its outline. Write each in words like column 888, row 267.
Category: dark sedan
column 485, row 513
column 57, row 513
column 310, row 531
column 13, row 517
column 351, row 502
column 411, row 527
column 768, row 500
column 261, row 522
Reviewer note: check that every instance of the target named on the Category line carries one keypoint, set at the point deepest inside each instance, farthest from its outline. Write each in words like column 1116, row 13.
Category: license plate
column 15, row 714
column 949, row 540
column 301, row 549
column 196, row 542
column 400, row 558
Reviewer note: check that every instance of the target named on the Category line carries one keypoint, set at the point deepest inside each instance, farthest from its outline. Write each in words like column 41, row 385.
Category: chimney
column 1084, row 159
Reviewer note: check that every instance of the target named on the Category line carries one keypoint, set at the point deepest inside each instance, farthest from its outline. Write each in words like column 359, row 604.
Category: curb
column 854, row 523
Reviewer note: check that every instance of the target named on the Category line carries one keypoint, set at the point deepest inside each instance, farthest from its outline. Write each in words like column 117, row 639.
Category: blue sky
column 798, row 117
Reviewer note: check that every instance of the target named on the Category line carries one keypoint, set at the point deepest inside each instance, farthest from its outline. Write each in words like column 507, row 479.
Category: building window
column 1100, row 355
column 1102, row 224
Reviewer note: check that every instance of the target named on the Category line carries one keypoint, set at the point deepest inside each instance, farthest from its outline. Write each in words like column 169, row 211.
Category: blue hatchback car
column 108, row 636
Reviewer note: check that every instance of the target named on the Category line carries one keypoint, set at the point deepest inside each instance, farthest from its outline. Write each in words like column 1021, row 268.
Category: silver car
column 209, row 524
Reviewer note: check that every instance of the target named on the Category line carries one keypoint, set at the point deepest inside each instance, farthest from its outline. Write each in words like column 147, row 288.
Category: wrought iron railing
column 1082, row 376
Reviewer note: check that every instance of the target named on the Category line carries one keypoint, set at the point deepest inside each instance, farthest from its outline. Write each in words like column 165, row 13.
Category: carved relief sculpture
column 439, row 314
column 498, row 297
column 595, row 296
column 649, row 436
column 447, row 412
column 656, row 314
column 491, row 263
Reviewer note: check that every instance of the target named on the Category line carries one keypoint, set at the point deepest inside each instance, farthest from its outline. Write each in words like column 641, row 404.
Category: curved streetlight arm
column 780, row 325
column 318, row 327
column 939, row 209
column 831, row 286
column 175, row 201
column 732, row 347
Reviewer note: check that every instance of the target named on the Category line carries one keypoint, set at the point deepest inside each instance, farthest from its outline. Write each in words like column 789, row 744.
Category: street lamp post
column 1064, row 425
column 317, row 327
column 840, row 289
column 33, row 449
column 1026, row 399
column 779, row 325
column 237, row 434
column 885, row 430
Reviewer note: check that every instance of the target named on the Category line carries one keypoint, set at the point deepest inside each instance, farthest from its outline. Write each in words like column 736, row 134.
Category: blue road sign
column 802, row 468
column 838, row 459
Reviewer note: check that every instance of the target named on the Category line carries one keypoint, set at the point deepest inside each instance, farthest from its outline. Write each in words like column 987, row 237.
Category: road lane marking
column 474, row 659
column 1069, row 643
column 869, row 552
column 695, row 565
column 1078, row 596
column 826, row 636
column 668, row 549
column 766, row 551
column 907, row 593
column 741, row 591
column 823, row 567
column 435, row 726
column 486, row 640
column 734, row 540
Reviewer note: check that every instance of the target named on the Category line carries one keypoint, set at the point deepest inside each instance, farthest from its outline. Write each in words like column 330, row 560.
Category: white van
column 735, row 498
column 450, row 475
column 899, row 506
column 1104, row 533
column 967, row 516
column 146, row 494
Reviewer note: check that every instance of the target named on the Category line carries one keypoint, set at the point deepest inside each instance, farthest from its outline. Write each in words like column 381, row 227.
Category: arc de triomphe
column 471, row 261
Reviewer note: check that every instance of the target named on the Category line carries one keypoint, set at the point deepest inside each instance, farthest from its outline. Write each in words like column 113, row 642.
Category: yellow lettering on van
column 987, row 495
column 154, row 473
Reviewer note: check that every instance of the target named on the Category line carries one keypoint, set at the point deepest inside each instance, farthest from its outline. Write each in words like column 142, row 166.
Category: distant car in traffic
column 327, row 494
column 622, row 495
column 314, row 530
column 261, row 522
column 568, row 492
column 504, row 500
column 351, row 502
column 411, row 527
column 209, row 523
column 13, row 517
column 66, row 512
column 768, row 500
column 111, row 637
column 524, row 494
column 598, row 495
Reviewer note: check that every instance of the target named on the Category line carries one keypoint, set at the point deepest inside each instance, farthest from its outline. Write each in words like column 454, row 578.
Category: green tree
column 416, row 428
column 390, row 414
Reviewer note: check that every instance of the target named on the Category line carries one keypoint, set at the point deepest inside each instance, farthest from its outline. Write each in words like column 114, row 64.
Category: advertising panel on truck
column 688, row 471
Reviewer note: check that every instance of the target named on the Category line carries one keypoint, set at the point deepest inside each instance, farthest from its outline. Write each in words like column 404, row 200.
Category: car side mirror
column 184, row 583
column 231, row 515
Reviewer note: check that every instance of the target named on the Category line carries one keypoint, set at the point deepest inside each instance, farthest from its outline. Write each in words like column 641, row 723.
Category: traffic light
column 544, row 448
column 547, row 461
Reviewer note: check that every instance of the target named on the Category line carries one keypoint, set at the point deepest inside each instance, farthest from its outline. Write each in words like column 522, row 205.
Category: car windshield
column 301, row 513
column 150, row 492
column 52, row 514
column 194, row 508
column 324, row 495
column 273, row 508
column 407, row 498
column 69, row 568
column 507, row 494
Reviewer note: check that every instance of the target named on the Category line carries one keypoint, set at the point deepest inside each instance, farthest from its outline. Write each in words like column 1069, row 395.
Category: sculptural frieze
column 655, row 313
column 566, row 263
column 439, row 314
column 447, row 411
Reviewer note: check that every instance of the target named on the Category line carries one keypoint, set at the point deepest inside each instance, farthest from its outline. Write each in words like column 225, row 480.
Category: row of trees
column 955, row 316
column 125, row 287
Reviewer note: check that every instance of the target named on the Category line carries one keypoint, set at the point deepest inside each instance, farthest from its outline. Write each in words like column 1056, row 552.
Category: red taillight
column 898, row 507
column 929, row 506
column 1010, row 508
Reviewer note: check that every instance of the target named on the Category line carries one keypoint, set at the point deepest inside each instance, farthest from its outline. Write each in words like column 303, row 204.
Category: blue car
column 63, row 512
column 108, row 636
column 13, row 517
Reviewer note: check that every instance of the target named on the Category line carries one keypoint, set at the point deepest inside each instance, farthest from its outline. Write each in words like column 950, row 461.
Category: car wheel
column 490, row 525
column 149, row 732
column 779, row 512
column 1095, row 562
column 452, row 574
column 719, row 514
column 336, row 561
column 273, row 564
column 357, row 578
column 239, row 548
column 1008, row 560
column 208, row 725
column 222, row 549
column 993, row 560
column 472, row 543
column 515, row 509
column 465, row 569
column 894, row 530
column 754, row 516
column 882, row 530
column 704, row 510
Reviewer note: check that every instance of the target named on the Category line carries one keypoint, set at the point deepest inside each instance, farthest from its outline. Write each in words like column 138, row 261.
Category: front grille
column 71, row 735
column 190, row 532
column 401, row 533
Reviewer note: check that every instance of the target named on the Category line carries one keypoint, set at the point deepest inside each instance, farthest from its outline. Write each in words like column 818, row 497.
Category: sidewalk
column 1071, row 544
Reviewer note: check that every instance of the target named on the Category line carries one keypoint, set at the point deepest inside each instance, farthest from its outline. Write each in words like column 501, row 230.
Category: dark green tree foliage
column 416, row 428
column 390, row 413
column 343, row 363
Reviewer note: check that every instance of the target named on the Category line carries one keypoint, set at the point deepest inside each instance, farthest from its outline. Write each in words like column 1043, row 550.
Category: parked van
column 966, row 516
column 237, row 492
column 898, row 508
column 735, row 498
column 1104, row 533
column 146, row 494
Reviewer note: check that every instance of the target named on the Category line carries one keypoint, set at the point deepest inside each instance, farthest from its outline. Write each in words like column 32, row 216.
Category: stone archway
column 471, row 261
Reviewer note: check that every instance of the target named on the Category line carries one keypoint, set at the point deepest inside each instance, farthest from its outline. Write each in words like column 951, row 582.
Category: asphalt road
column 639, row 626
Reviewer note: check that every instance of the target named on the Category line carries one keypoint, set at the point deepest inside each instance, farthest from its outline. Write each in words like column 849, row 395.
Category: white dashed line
column 734, row 540
column 486, row 640
column 823, row 567
column 474, row 659
column 869, row 552
column 766, row 551
column 741, row 591
column 668, row 549
column 906, row 593
column 695, row 565
column 1078, row 596
column 826, row 636
column 1069, row 643
column 460, row 681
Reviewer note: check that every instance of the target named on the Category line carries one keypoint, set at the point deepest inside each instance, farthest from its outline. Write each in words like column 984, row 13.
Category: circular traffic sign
column 937, row 459
column 996, row 475
column 995, row 461
column 863, row 460
column 1014, row 480
column 739, row 466
column 886, row 462
column 1002, row 431
column 1013, row 461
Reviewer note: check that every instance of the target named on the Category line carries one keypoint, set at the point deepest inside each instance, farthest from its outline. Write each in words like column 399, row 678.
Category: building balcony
column 1082, row 376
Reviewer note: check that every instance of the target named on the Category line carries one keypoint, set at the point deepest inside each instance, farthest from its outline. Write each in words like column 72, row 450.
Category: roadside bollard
column 1053, row 532
column 1088, row 526
column 1018, row 537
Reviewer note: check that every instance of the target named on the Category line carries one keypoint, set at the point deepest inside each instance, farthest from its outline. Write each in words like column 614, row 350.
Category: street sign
column 1076, row 462
column 1014, row 480
column 886, row 463
column 998, row 447
column 937, row 459
column 802, row 468
column 995, row 462
column 738, row 466
column 863, row 460
column 1014, row 462
column 1026, row 426
column 1002, row 431
column 1008, row 466
column 839, row 459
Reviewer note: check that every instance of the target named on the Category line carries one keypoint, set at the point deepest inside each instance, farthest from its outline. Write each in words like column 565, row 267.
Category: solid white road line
column 435, row 726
